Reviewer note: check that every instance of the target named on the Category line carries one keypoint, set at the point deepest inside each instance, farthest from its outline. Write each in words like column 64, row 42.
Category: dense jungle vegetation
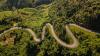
column 35, row 14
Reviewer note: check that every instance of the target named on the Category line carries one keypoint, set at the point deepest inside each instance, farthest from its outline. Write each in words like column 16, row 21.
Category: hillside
column 53, row 23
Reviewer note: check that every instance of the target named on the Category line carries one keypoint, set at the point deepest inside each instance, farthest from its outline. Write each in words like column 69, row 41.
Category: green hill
column 85, row 13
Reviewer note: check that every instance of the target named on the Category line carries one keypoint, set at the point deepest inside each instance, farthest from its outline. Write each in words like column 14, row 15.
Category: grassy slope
column 30, row 17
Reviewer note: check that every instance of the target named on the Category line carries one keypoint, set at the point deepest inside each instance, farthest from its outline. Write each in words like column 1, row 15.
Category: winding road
column 85, row 29
column 52, row 32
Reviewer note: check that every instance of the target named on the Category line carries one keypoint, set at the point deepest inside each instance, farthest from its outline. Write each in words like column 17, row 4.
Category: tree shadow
column 32, row 50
